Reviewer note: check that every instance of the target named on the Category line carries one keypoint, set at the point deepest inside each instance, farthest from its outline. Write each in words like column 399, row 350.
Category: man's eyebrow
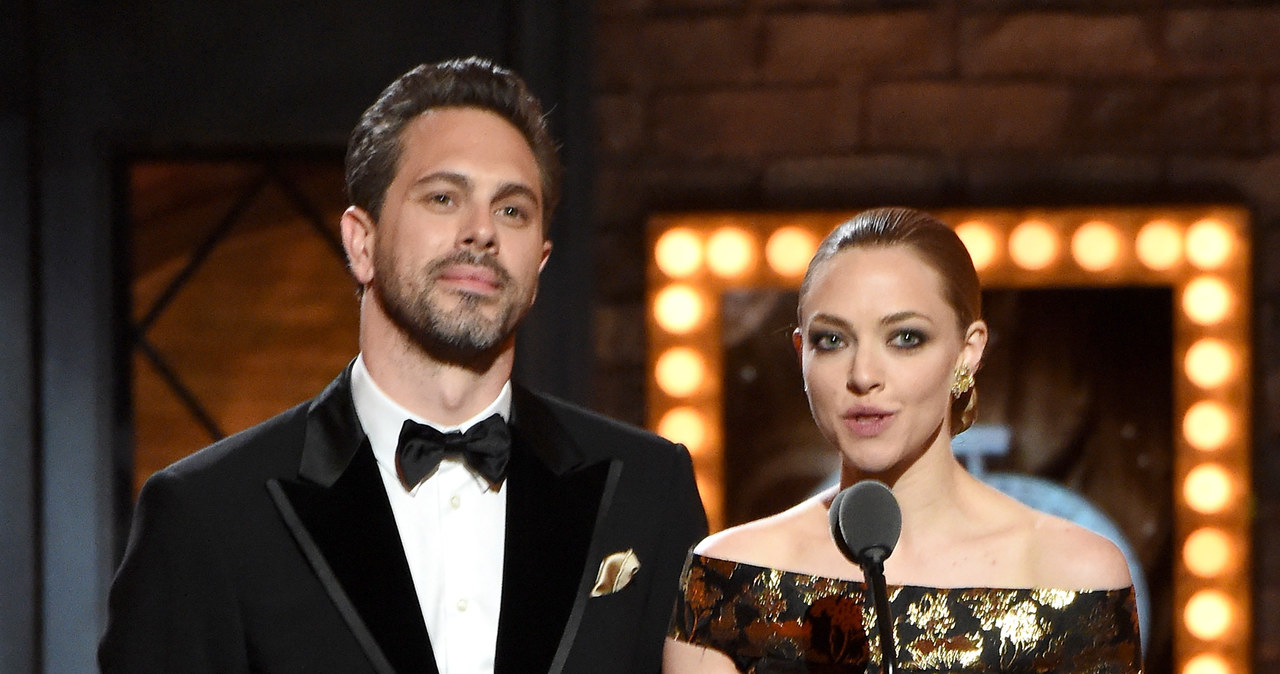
column 457, row 179
column 507, row 190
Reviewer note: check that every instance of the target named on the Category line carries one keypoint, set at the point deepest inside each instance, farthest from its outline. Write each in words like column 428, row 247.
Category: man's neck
column 444, row 392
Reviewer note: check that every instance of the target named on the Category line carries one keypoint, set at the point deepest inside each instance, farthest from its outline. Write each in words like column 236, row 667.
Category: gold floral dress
column 770, row 622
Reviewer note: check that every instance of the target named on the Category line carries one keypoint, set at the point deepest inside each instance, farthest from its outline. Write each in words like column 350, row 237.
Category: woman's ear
column 797, row 340
column 975, row 343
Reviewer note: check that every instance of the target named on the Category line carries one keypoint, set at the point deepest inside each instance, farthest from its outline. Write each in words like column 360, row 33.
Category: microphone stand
column 865, row 524
column 873, row 571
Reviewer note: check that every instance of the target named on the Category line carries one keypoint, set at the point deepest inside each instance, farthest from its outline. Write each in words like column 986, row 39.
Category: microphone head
column 866, row 522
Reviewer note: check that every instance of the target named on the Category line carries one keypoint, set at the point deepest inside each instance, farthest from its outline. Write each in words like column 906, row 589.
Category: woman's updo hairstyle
column 938, row 246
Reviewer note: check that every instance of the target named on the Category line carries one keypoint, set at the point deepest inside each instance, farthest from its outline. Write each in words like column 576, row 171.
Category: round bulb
column 1207, row 489
column 1209, row 363
column 1159, row 245
column 1208, row 614
column 1095, row 246
column 680, row 371
column 1209, row 244
column 678, row 309
column 1207, row 663
column 1206, row 300
column 1208, row 552
column 678, row 252
column 1207, row 425
column 1033, row 245
column 686, row 426
column 789, row 249
column 981, row 241
column 731, row 252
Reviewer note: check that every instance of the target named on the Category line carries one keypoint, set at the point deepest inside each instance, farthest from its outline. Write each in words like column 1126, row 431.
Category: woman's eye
column 825, row 341
column 908, row 339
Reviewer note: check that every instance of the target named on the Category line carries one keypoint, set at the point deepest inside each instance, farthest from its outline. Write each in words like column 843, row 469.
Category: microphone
column 865, row 523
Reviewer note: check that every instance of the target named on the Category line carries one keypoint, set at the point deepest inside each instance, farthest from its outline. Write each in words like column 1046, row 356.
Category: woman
column 889, row 337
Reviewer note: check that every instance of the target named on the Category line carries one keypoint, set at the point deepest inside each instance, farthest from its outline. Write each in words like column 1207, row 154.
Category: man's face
column 460, row 243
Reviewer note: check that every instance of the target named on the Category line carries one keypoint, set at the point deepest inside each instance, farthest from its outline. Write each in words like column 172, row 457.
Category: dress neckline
column 907, row 586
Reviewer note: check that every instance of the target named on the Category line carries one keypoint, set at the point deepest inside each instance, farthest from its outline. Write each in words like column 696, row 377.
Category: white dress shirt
column 452, row 526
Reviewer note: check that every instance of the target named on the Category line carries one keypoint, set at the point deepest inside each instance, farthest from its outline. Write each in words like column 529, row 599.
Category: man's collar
column 381, row 417
column 334, row 433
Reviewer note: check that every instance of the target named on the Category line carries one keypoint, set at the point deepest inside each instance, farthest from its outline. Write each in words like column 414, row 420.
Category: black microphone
column 865, row 523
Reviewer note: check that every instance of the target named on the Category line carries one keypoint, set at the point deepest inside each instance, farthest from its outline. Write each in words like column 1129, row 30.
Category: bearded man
column 423, row 513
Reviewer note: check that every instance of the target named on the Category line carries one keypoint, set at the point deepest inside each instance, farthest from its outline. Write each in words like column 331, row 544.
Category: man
column 423, row 513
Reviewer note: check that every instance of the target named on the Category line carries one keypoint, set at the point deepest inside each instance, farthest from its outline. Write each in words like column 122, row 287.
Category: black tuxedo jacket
column 275, row 550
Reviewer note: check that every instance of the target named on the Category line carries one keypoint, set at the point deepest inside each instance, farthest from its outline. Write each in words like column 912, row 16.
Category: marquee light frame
column 1205, row 260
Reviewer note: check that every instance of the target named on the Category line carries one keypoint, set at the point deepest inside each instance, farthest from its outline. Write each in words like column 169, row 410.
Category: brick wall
column 774, row 104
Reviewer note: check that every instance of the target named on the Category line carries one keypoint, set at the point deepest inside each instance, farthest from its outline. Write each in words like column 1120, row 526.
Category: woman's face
column 878, row 346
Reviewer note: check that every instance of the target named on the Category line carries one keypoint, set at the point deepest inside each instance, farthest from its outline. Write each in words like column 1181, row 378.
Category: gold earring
column 961, row 381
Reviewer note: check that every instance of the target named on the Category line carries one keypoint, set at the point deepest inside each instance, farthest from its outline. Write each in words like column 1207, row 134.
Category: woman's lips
column 866, row 422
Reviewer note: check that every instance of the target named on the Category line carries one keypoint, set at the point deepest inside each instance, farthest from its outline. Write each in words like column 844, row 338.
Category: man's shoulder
column 594, row 428
column 262, row 449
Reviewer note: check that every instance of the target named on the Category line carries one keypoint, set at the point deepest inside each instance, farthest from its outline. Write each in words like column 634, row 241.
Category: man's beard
column 459, row 333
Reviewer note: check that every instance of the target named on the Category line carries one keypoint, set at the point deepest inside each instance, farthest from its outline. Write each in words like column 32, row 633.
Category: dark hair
column 939, row 247
column 373, row 151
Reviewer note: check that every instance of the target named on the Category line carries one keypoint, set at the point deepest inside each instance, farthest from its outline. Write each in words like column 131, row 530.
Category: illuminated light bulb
column 1207, row 425
column 678, row 252
column 1209, row 363
column 1206, row 300
column 678, row 309
column 731, row 252
column 1159, row 245
column 789, row 249
column 1207, row 489
column 1095, row 245
column 1033, row 245
column 1207, row 663
column 680, row 371
column 1208, row 552
column 1209, row 244
column 1208, row 614
column 685, row 425
column 982, row 242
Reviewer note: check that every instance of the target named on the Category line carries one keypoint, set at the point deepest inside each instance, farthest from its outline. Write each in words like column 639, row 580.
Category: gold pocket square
column 615, row 572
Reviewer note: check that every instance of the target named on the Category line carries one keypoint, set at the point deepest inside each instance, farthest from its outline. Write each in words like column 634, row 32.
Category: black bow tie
column 486, row 447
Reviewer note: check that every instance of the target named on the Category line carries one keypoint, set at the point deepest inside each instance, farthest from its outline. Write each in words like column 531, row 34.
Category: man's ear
column 546, row 254
column 358, row 234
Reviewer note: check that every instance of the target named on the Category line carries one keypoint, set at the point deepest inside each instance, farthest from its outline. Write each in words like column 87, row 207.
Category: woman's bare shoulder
column 1068, row 556
column 768, row 542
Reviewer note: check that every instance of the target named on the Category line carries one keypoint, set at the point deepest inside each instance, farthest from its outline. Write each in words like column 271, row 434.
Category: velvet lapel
column 556, row 498
column 339, row 514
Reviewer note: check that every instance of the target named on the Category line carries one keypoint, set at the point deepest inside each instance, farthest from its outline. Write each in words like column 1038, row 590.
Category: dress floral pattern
column 773, row 622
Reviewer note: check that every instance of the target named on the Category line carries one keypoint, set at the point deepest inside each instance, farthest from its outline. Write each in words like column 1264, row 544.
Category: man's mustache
column 474, row 259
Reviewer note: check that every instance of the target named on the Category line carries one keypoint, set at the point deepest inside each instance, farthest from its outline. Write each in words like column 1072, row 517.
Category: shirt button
column 462, row 605
column 455, row 502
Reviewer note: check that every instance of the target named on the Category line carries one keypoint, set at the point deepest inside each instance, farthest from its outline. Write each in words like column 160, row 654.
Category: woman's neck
column 929, row 491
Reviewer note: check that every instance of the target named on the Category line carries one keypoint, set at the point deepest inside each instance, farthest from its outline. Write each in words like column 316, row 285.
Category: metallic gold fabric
column 774, row 622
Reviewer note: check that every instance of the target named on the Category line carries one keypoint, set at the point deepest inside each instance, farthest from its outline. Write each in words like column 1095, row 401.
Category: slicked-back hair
column 375, row 145
column 938, row 246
